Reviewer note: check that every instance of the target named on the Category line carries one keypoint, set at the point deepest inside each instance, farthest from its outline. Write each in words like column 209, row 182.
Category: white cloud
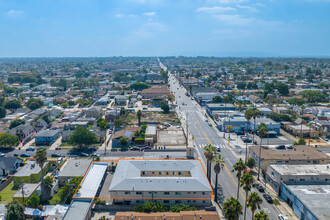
column 150, row 14
column 216, row 9
column 252, row 9
column 14, row 13
column 148, row 30
column 233, row 19
column 228, row 1
column 122, row 15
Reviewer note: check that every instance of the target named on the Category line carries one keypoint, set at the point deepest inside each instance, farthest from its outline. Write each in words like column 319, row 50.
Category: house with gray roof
column 9, row 165
column 166, row 181
column 47, row 137
column 23, row 131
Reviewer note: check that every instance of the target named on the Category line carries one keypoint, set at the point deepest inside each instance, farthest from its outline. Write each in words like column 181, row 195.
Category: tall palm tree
column 253, row 202
column 256, row 113
column 219, row 163
column 262, row 131
column 41, row 158
column 209, row 154
column 139, row 114
column 261, row 216
column 247, row 182
column 239, row 167
column 248, row 115
column 232, row 208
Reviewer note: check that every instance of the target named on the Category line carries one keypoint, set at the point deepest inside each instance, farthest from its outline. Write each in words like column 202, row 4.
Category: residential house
column 23, row 131
column 9, row 165
column 120, row 100
column 40, row 125
column 255, row 99
column 73, row 168
column 182, row 215
column 322, row 127
column 30, row 173
column 93, row 112
column 111, row 115
column 47, row 137
column 26, row 191
column 155, row 93
column 127, row 132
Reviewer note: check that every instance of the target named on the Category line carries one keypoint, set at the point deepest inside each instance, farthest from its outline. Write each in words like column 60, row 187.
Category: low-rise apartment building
column 169, row 182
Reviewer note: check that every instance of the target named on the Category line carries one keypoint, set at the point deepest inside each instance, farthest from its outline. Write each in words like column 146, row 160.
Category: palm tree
column 139, row 114
column 219, row 163
column 15, row 211
column 239, row 167
column 256, row 113
column 209, row 154
column 253, row 202
column 248, row 115
column 232, row 208
column 247, row 182
column 261, row 216
column 48, row 185
column 262, row 131
column 41, row 158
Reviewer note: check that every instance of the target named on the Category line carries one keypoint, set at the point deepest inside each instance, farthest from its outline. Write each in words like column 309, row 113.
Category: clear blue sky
column 30, row 28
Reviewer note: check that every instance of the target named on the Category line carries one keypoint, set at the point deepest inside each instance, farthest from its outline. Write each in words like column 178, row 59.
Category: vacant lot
column 150, row 117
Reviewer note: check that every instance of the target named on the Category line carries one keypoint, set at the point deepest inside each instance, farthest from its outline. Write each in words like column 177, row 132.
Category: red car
column 146, row 148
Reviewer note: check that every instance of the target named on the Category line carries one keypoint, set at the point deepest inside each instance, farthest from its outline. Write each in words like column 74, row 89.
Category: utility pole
column 23, row 191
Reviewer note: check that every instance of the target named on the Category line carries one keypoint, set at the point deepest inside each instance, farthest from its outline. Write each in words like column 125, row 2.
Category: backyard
column 7, row 193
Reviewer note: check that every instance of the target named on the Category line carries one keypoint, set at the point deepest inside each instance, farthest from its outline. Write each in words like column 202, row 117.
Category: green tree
column 262, row 131
column 247, row 182
column 122, row 111
column 297, row 101
column 165, row 107
column 256, row 113
column 209, row 153
column 251, row 163
column 216, row 99
column 238, row 167
column 314, row 96
column 123, row 141
column 218, row 166
column 34, row 103
column 228, row 99
column 46, row 119
column 118, row 122
column 232, row 208
column 241, row 85
column 103, row 124
column 3, row 112
column 150, row 206
column 139, row 115
column 300, row 142
column 34, row 201
column 65, row 193
column 248, row 115
column 139, row 86
column 7, row 139
column 253, row 202
column 41, row 158
column 16, row 123
column 48, row 185
column 82, row 137
column 261, row 216
column 15, row 211
column 283, row 89
column 13, row 104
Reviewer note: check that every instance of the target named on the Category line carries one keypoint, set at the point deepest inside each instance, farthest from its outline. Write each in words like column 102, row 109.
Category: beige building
column 170, row 182
column 183, row 215
column 301, row 154
column 150, row 135
column 297, row 174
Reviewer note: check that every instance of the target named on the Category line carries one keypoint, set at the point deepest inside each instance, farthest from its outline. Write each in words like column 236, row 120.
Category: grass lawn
column 7, row 193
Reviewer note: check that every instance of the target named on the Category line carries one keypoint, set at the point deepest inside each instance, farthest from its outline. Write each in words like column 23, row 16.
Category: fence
column 6, row 183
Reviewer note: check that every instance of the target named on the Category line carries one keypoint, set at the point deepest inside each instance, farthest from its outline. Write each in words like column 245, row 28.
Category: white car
column 2, row 154
column 282, row 217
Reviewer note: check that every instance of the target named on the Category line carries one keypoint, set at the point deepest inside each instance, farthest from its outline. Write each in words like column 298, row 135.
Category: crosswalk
column 215, row 145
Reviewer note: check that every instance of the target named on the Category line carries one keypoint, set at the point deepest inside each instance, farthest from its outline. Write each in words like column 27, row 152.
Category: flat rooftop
column 92, row 180
column 129, row 176
column 78, row 209
column 31, row 167
column 308, row 169
column 315, row 198
column 28, row 189
column 75, row 167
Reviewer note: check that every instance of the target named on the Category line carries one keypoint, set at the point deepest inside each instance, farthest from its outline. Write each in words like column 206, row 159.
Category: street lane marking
column 224, row 164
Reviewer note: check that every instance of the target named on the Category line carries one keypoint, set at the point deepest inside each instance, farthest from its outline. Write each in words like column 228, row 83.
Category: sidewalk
column 283, row 208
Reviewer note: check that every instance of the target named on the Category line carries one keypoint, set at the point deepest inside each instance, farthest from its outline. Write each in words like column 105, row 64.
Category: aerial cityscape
column 165, row 110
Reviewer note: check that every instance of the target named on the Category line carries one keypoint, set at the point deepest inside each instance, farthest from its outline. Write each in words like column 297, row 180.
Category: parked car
column 30, row 149
column 218, row 149
column 45, row 148
column 246, row 140
column 210, row 124
column 83, row 154
column 146, row 148
column 95, row 154
column 268, row 198
column 93, row 148
column 25, row 155
column 56, row 155
column 2, row 154
column 280, row 147
column 239, row 133
column 259, row 187
column 15, row 155
column 135, row 149
column 289, row 147
column 282, row 217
